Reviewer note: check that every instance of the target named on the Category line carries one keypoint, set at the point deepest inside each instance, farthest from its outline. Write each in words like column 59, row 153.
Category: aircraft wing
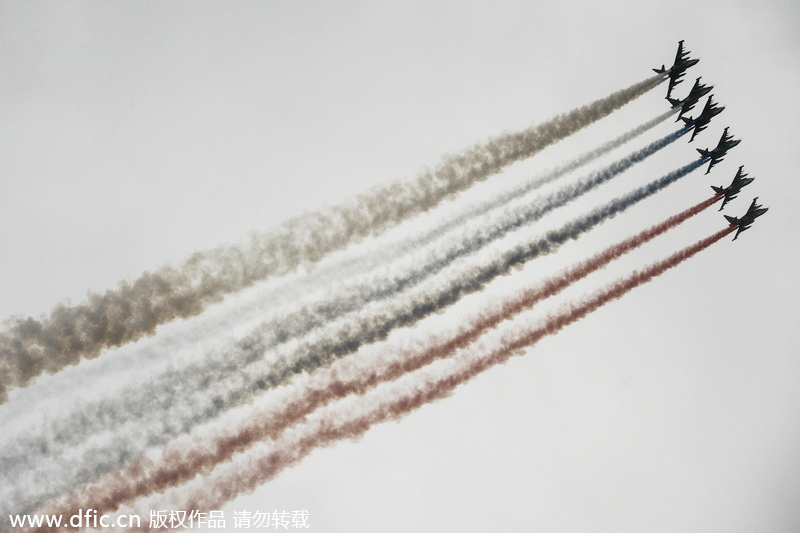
column 726, row 138
column 740, row 180
column 679, row 54
column 673, row 81
column 714, row 160
column 671, row 85
column 725, row 194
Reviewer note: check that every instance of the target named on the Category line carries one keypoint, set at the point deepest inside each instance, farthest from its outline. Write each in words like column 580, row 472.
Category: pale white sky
column 136, row 133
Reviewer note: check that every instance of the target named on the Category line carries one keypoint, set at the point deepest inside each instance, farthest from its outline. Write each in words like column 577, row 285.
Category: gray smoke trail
column 191, row 379
column 184, row 459
column 245, row 473
column 126, row 445
column 32, row 347
column 398, row 249
column 388, row 252
column 249, row 307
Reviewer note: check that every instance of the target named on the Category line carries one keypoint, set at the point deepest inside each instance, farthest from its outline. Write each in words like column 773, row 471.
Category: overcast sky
column 136, row 133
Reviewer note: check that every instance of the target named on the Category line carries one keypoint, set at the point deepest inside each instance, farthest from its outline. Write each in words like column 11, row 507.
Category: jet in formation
column 678, row 68
column 746, row 220
column 698, row 91
column 740, row 180
column 716, row 154
column 700, row 123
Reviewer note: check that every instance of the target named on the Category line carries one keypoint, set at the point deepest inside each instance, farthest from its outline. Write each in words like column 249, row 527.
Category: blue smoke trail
column 169, row 389
column 201, row 406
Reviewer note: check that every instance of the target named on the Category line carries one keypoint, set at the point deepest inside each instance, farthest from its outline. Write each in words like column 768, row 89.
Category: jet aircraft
column 740, row 180
column 744, row 222
column 687, row 104
column 678, row 68
column 716, row 154
column 700, row 123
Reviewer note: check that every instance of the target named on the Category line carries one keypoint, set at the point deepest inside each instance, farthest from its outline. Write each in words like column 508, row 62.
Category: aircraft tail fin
column 662, row 70
column 703, row 152
column 732, row 220
column 720, row 191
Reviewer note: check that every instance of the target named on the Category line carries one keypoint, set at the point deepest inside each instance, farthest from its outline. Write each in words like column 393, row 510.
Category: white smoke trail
column 32, row 347
column 208, row 331
column 197, row 406
column 201, row 450
column 391, row 251
column 348, row 420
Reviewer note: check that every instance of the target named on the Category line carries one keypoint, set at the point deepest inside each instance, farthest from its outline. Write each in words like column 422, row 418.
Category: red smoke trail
column 135, row 310
column 234, row 479
column 179, row 464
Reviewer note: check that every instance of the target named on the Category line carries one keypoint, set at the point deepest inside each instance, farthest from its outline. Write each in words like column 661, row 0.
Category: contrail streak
column 31, row 347
column 128, row 441
column 174, row 387
column 179, row 463
column 234, row 478
column 213, row 328
column 404, row 247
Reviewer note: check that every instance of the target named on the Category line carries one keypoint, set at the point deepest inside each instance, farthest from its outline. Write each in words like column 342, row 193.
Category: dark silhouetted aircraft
column 678, row 68
column 753, row 212
column 700, row 123
column 732, row 190
column 698, row 91
column 716, row 154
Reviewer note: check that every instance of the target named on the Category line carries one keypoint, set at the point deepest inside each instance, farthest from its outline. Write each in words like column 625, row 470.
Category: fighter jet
column 701, row 122
column 698, row 91
column 716, row 154
column 753, row 212
column 678, row 68
column 732, row 190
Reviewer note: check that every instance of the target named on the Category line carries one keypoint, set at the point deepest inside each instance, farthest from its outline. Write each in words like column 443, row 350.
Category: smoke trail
column 249, row 307
column 173, row 388
column 223, row 484
column 31, row 347
column 404, row 247
column 475, row 278
column 195, row 408
column 179, row 463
